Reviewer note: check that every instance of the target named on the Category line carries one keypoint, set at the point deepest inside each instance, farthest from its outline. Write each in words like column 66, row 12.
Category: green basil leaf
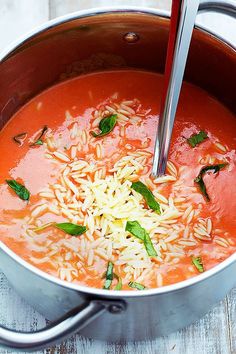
column 138, row 286
column 148, row 196
column 197, row 261
column 71, row 229
column 109, row 276
column 136, row 230
column 199, row 178
column 202, row 188
column 198, row 138
column 19, row 189
column 119, row 282
column 38, row 142
column 106, row 125
column 149, row 246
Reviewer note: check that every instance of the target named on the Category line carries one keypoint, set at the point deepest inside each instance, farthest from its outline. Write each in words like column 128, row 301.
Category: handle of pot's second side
column 226, row 7
column 59, row 330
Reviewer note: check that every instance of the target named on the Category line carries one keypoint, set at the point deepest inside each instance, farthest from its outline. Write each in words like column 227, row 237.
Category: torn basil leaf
column 138, row 286
column 67, row 227
column 109, row 276
column 198, row 138
column 19, row 189
column 119, row 282
column 136, row 230
column 199, row 178
column 71, row 229
column 106, row 125
column 39, row 140
column 149, row 246
column 197, row 262
column 147, row 194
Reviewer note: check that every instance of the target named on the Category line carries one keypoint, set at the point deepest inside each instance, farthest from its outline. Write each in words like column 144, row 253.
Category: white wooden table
column 213, row 334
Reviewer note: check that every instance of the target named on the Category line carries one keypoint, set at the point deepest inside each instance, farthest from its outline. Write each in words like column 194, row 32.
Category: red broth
column 71, row 110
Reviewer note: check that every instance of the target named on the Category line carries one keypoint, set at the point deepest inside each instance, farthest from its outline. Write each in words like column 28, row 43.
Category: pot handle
column 226, row 7
column 59, row 330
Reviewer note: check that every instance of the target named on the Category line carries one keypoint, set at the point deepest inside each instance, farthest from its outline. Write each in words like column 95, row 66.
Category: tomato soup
column 77, row 198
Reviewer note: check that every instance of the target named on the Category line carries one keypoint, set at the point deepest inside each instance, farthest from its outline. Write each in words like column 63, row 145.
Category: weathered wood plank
column 20, row 16
column 15, row 313
column 231, row 312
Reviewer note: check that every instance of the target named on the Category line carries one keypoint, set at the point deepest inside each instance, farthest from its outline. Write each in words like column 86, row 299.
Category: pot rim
column 94, row 12
column 77, row 287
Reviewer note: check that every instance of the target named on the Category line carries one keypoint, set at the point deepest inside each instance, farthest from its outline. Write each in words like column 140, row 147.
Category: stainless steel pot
column 95, row 40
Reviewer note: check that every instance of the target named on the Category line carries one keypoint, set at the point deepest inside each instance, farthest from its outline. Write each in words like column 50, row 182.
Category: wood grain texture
column 213, row 334
column 231, row 317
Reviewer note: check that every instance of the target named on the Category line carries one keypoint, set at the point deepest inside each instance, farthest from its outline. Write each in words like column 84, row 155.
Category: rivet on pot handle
column 61, row 329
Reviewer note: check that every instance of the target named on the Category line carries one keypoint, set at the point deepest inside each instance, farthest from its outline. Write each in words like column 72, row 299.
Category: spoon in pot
column 183, row 15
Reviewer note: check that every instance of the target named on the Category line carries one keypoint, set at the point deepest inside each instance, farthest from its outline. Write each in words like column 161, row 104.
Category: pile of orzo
column 102, row 220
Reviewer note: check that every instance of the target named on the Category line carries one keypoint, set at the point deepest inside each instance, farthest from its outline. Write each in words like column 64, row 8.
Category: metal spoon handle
column 186, row 22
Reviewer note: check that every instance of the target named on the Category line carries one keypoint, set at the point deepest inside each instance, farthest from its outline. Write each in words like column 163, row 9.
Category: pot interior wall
column 97, row 43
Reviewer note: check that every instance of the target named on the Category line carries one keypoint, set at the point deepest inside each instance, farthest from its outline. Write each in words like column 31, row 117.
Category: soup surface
column 85, row 208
